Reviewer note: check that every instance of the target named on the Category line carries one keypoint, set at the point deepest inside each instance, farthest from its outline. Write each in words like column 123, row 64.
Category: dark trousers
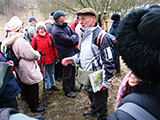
column 68, row 76
column 31, row 93
column 99, row 103
column 12, row 103
column 117, row 65
column 20, row 85
column 58, row 71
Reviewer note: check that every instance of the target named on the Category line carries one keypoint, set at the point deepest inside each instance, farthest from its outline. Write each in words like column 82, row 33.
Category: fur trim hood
column 138, row 37
column 12, row 36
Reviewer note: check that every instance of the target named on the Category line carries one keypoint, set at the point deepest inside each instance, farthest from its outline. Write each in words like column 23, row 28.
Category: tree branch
column 81, row 3
column 95, row 4
column 64, row 5
column 89, row 3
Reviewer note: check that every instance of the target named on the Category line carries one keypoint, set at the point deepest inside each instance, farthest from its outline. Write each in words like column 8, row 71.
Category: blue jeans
column 49, row 75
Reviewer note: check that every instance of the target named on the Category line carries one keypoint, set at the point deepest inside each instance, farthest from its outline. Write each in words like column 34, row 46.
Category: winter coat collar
column 88, row 30
column 62, row 26
column 12, row 36
column 41, row 35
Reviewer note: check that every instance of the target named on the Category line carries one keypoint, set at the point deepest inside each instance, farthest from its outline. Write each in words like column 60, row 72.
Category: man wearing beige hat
column 89, row 51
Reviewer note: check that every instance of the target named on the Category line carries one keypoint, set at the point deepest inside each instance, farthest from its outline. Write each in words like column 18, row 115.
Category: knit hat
column 87, row 11
column 138, row 43
column 58, row 14
column 41, row 24
column 115, row 17
column 14, row 24
column 32, row 19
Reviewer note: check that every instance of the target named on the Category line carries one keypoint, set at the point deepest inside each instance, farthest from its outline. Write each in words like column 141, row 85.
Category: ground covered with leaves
column 60, row 107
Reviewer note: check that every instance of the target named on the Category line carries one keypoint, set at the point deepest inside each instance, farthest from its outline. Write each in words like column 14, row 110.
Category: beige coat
column 28, row 69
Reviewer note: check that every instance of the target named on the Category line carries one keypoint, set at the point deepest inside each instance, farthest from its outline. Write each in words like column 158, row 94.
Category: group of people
column 137, row 43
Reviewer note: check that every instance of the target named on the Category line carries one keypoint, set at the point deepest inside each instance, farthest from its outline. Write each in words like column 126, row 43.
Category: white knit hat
column 41, row 24
column 14, row 24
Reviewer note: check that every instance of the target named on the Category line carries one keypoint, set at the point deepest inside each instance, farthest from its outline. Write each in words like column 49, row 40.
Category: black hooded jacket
column 114, row 27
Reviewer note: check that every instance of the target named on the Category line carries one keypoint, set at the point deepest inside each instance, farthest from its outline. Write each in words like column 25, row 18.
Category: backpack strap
column 11, row 56
column 75, row 24
column 35, row 46
column 136, row 111
column 100, row 38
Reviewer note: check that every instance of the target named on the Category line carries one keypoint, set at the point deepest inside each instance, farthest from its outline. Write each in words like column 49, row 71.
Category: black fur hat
column 138, row 43
column 154, row 6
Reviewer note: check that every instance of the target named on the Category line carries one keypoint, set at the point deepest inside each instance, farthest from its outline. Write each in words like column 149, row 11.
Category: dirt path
column 61, row 107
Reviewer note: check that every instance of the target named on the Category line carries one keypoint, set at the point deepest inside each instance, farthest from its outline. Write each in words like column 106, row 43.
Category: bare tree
column 11, row 7
column 71, row 6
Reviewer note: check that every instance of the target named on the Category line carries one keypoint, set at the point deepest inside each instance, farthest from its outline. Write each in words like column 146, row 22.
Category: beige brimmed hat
column 14, row 24
column 87, row 11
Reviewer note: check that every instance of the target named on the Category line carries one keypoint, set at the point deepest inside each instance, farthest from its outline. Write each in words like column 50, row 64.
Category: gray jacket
column 31, row 29
column 49, row 28
column 86, row 57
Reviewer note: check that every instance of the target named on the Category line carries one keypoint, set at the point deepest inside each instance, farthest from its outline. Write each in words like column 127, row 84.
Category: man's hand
column 114, row 40
column 133, row 80
column 66, row 61
column 102, row 88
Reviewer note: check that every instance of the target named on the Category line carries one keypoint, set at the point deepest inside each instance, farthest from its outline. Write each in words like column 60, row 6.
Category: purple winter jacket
column 65, row 40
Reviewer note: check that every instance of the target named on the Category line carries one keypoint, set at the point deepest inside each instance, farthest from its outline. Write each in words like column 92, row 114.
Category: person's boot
column 39, row 109
column 40, row 117
column 55, row 88
column 49, row 91
column 75, row 89
column 70, row 94
column 59, row 79
column 89, row 114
